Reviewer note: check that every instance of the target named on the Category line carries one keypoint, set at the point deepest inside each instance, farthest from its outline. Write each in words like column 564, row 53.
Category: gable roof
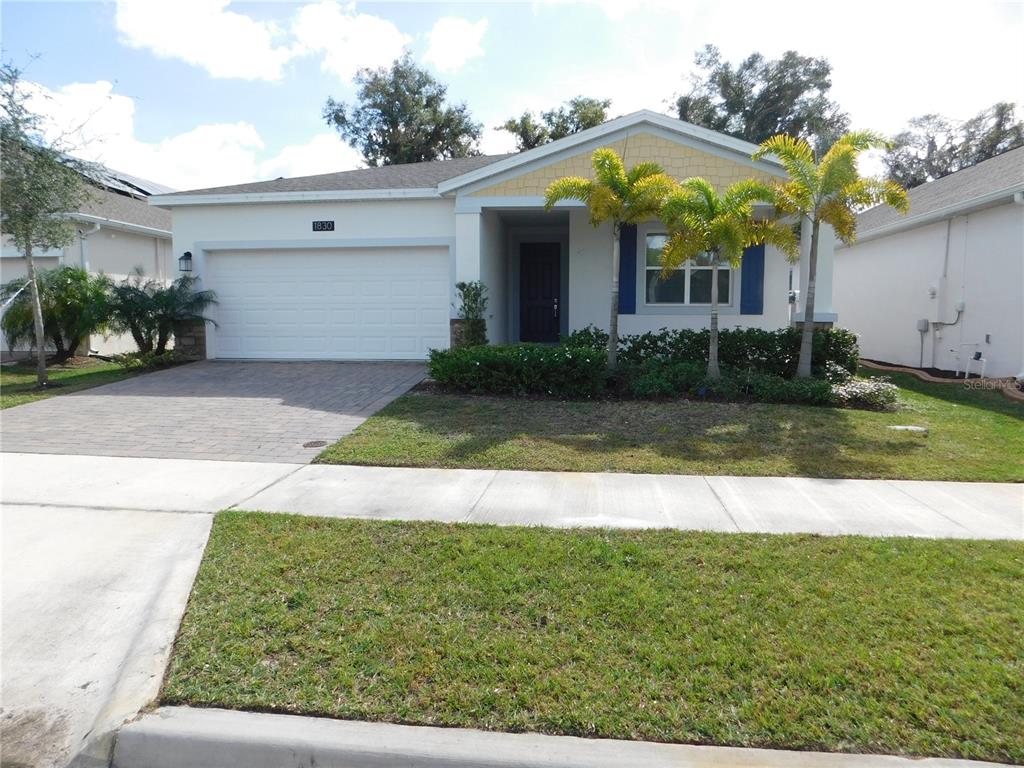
column 987, row 183
column 400, row 176
column 440, row 177
column 689, row 133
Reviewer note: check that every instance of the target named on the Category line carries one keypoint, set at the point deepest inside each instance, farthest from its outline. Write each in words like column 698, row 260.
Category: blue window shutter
column 752, row 281
column 627, row 269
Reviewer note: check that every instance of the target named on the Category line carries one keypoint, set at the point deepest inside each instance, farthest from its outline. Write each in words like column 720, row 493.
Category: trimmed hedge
column 668, row 379
column 521, row 369
column 769, row 352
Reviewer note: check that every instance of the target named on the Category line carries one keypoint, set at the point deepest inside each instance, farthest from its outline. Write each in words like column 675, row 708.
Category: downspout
column 83, row 249
column 83, row 255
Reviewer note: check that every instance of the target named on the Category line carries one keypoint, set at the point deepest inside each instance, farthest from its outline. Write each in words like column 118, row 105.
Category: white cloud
column 324, row 153
column 98, row 125
column 204, row 33
column 348, row 40
column 454, row 41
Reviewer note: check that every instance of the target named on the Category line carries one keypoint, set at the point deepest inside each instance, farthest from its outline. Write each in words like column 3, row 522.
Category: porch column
column 467, row 247
column 823, row 310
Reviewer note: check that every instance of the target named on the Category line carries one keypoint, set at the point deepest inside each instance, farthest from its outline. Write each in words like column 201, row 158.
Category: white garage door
column 357, row 304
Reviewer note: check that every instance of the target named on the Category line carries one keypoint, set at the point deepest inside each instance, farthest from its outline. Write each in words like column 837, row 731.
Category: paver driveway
column 212, row 410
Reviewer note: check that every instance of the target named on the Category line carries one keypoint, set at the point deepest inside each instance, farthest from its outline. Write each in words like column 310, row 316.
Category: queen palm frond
column 568, row 188
column 610, row 171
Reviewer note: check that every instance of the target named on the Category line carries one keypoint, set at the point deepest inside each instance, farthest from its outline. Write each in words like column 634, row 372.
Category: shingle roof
column 997, row 173
column 401, row 176
column 131, row 210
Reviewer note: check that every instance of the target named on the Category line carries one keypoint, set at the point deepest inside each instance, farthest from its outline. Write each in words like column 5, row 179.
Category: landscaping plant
column 702, row 222
column 74, row 304
column 150, row 310
column 471, row 309
column 617, row 196
column 830, row 192
column 39, row 184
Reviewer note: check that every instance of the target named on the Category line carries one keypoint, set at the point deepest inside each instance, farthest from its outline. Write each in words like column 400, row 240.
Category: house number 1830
column 323, row 226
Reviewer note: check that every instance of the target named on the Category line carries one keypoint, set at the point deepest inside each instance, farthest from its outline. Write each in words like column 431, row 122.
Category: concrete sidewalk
column 179, row 737
column 563, row 499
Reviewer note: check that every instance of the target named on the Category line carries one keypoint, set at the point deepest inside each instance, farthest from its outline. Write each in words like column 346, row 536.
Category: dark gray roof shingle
column 402, row 176
column 131, row 210
column 1000, row 172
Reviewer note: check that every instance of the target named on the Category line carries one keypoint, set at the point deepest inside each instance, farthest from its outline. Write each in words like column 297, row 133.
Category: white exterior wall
column 373, row 226
column 114, row 253
column 590, row 260
column 884, row 286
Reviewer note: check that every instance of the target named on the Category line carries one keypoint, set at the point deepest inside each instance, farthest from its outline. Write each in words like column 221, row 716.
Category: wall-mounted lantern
column 185, row 262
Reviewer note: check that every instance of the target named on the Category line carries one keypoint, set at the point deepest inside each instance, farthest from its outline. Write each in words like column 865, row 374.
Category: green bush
column 765, row 388
column 75, row 305
column 472, row 308
column 148, row 361
column 521, row 369
column 659, row 378
column 590, row 337
column 741, row 349
column 875, row 393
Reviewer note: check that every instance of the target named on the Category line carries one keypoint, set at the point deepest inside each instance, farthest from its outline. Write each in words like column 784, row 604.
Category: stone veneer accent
column 190, row 340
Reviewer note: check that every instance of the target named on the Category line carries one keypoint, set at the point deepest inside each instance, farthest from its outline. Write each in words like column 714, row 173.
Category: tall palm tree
column 830, row 191
column 700, row 221
column 621, row 197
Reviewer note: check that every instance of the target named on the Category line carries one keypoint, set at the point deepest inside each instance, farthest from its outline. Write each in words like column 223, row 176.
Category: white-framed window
column 690, row 284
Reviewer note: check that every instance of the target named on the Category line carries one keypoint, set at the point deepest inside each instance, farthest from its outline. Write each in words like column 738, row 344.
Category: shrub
column 766, row 388
column 590, row 337
column 521, row 369
column 753, row 349
column 150, row 310
column 875, row 393
column 472, row 308
column 147, row 361
column 75, row 304
column 661, row 378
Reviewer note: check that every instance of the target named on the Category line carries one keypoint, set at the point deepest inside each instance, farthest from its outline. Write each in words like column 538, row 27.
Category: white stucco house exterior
column 116, row 231
column 944, row 283
column 362, row 264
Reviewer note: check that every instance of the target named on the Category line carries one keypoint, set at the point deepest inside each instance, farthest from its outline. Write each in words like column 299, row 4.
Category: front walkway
column 233, row 411
column 730, row 504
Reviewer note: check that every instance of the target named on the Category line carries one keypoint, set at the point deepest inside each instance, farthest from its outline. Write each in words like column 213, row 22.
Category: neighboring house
column 362, row 264
column 117, row 231
column 946, row 281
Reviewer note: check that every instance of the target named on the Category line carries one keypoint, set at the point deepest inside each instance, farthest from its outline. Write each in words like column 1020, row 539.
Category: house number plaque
column 323, row 226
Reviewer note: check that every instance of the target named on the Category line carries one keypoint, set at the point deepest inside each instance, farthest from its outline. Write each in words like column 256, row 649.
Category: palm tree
column 700, row 221
column 618, row 196
column 831, row 192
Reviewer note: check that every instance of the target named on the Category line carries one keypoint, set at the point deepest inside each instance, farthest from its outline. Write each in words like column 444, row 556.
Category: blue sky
column 203, row 92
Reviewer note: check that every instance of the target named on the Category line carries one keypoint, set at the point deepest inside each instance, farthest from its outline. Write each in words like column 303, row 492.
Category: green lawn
column 843, row 644
column 18, row 382
column 973, row 435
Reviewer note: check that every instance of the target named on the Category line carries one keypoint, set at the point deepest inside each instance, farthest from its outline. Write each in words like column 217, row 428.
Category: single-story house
column 945, row 283
column 116, row 231
column 362, row 264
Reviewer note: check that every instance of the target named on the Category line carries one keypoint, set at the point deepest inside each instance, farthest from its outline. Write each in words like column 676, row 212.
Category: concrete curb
column 206, row 738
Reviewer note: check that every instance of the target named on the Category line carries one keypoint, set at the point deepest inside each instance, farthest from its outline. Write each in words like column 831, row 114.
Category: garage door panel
column 331, row 304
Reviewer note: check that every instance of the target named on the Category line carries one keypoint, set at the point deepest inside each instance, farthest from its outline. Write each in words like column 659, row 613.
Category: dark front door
column 540, row 280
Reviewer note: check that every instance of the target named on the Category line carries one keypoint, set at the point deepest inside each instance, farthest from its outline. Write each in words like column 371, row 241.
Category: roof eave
column 124, row 226
column 340, row 195
column 631, row 120
column 940, row 214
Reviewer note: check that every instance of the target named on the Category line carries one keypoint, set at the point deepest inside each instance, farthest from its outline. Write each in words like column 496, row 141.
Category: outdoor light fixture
column 185, row 262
